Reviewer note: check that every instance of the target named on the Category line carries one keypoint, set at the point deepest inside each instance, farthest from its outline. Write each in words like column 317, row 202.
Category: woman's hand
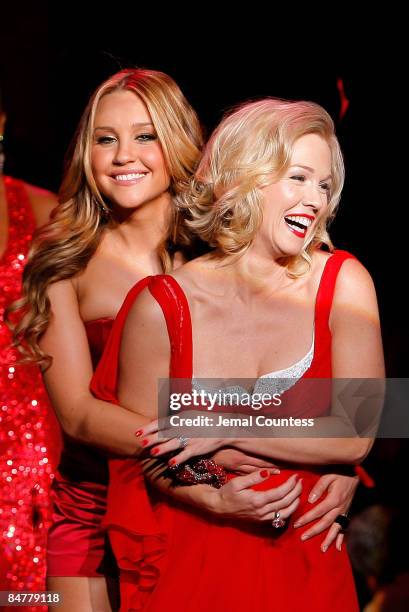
column 236, row 461
column 168, row 441
column 340, row 493
column 236, row 499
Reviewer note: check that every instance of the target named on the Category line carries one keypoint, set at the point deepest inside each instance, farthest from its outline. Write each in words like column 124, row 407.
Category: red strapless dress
column 77, row 543
column 175, row 556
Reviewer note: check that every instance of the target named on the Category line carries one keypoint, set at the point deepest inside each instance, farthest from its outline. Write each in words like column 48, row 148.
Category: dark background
column 52, row 57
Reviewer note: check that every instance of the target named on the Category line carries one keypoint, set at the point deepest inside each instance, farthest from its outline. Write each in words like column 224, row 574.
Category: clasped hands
column 331, row 495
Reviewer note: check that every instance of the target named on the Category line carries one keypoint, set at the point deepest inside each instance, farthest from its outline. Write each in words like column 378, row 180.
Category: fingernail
column 338, row 547
column 145, row 442
column 172, row 462
column 324, row 548
column 264, row 473
column 138, row 433
column 300, row 481
column 154, row 451
column 304, row 537
column 297, row 524
column 276, row 471
column 312, row 498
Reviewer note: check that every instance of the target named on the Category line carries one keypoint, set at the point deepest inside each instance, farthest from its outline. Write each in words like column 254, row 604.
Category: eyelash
column 299, row 177
column 147, row 137
column 141, row 138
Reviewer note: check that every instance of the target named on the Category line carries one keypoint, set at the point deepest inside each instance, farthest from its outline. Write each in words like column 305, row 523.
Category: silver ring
column 278, row 522
column 183, row 440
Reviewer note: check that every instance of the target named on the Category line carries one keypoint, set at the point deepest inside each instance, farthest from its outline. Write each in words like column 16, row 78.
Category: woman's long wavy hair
column 250, row 149
column 63, row 247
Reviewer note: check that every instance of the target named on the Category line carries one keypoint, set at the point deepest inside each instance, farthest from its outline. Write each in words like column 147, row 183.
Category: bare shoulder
column 354, row 296
column 65, row 331
column 42, row 202
column 63, row 294
column 354, row 283
column 352, row 280
column 355, row 324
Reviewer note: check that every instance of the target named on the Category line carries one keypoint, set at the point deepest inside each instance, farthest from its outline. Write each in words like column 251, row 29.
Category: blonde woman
column 267, row 186
column 115, row 224
column 137, row 144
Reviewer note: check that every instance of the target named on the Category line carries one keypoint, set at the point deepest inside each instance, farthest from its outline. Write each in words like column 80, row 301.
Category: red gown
column 77, row 540
column 173, row 555
column 29, row 434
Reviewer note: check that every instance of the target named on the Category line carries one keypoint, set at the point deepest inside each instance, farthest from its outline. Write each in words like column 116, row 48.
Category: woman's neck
column 255, row 270
column 142, row 230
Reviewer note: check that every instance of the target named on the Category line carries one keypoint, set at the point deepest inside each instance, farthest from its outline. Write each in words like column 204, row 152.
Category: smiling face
column 294, row 204
column 126, row 157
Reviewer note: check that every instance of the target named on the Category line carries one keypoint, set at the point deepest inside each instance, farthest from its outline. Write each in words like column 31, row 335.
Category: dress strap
column 175, row 307
column 173, row 302
column 326, row 289
column 324, row 301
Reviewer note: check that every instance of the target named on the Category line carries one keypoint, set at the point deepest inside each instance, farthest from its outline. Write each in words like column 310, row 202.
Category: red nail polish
column 172, row 462
column 264, row 473
column 138, row 433
column 145, row 442
column 154, row 451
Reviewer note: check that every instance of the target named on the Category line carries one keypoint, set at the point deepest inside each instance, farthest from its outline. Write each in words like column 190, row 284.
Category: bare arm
column 81, row 415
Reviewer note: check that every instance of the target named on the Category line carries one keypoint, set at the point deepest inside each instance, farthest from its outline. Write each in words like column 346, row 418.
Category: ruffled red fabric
column 246, row 567
column 136, row 529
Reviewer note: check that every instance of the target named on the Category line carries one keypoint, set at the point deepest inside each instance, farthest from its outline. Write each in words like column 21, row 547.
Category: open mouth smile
column 298, row 224
column 129, row 178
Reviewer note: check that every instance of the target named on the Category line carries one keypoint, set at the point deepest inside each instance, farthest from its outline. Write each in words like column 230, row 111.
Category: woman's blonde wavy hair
column 63, row 247
column 250, row 149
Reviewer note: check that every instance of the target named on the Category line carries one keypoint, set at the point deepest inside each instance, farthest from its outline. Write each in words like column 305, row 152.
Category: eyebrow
column 310, row 170
column 138, row 124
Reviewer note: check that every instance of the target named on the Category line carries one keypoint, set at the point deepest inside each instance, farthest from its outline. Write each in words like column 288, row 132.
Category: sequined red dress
column 173, row 556
column 28, row 434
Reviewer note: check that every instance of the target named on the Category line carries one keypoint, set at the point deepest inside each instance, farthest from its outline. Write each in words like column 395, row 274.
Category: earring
column 104, row 210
